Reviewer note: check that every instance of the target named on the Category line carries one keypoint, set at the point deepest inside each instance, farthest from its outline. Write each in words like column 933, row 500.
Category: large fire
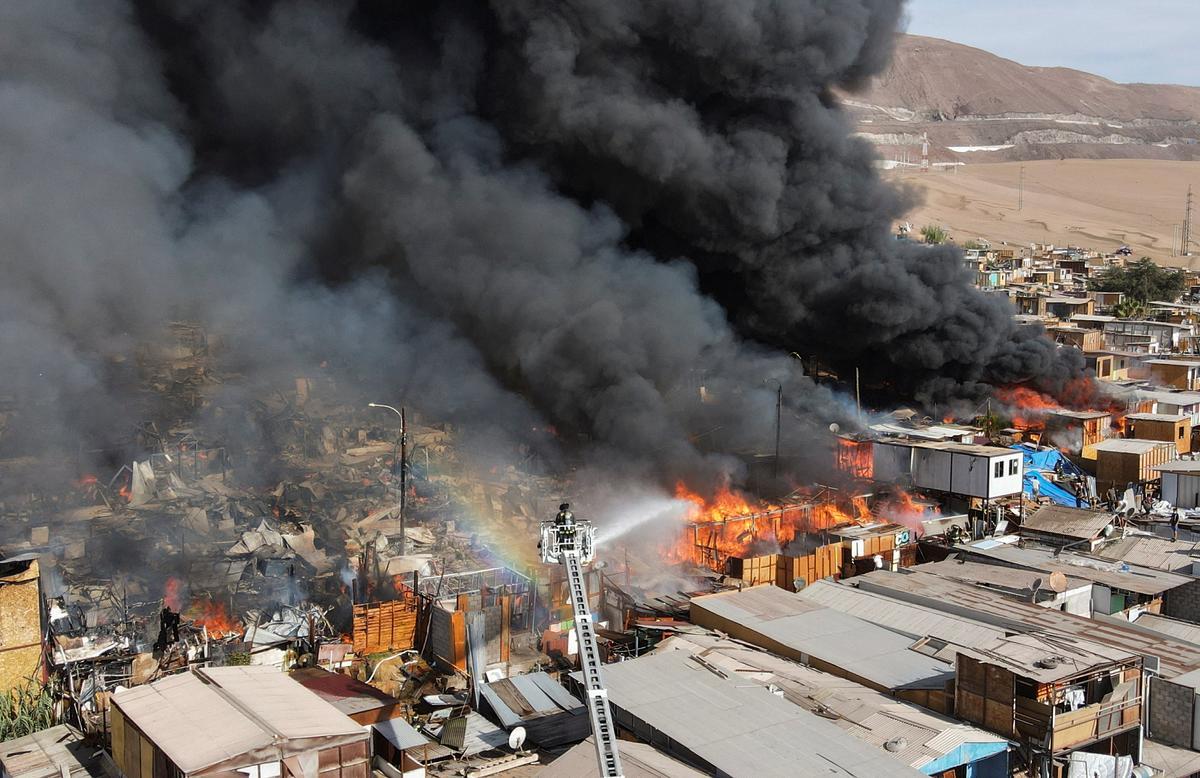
column 1029, row 407
column 730, row 524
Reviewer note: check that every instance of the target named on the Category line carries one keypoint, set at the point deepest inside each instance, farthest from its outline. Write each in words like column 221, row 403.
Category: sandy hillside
column 977, row 107
column 1084, row 202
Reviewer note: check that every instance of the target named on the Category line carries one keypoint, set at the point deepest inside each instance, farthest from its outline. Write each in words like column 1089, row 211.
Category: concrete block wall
column 1183, row 602
column 1171, row 710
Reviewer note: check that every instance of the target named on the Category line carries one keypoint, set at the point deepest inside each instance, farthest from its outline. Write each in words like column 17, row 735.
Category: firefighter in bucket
column 564, row 525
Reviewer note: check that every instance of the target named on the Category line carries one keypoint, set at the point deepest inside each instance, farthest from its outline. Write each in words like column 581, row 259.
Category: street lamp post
column 403, row 445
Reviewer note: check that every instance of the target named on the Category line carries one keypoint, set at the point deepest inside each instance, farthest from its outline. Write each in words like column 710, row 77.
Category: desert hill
column 976, row 106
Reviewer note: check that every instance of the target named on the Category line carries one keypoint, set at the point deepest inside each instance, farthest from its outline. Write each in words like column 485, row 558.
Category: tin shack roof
column 734, row 727
column 1117, row 575
column 1048, row 658
column 868, row 651
column 1177, row 556
column 233, row 716
column 1070, row 522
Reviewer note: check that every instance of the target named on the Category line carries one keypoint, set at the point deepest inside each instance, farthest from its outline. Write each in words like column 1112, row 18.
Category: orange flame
column 729, row 524
column 213, row 617
column 855, row 458
column 902, row 508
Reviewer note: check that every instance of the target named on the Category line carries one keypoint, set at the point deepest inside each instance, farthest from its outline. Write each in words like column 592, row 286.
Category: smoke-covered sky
column 577, row 211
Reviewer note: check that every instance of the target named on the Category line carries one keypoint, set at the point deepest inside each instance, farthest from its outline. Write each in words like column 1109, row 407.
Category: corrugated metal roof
column 400, row 734
column 1159, row 553
column 1070, row 522
column 1179, row 466
column 51, row 753
column 737, row 728
column 1172, row 417
column 523, row 697
column 209, row 716
column 1176, row 657
column 869, row 651
column 1046, row 658
column 911, row 620
column 866, row 714
column 1142, row 580
column 1011, row 578
column 1181, row 630
column 1131, row 445
column 638, row 760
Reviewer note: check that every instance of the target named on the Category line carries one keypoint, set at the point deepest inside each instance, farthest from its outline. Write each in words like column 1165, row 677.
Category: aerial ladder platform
column 572, row 543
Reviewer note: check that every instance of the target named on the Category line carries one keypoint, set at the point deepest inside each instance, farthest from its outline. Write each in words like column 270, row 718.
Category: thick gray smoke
column 580, row 212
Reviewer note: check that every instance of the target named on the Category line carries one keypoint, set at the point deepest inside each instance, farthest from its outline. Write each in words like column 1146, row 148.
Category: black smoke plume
column 588, row 212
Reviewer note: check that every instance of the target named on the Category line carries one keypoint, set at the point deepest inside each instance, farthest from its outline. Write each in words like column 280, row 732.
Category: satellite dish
column 1058, row 582
column 799, row 584
column 835, row 428
column 516, row 738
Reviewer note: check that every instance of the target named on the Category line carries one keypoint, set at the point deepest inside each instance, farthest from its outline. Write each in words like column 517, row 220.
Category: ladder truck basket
column 578, row 536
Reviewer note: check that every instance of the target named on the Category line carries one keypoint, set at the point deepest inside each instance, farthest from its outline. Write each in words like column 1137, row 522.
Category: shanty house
column 986, row 472
column 1079, row 337
column 1177, row 373
column 221, row 721
column 1053, row 696
column 1181, row 483
column 1121, row 461
column 550, row 714
column 1078, row 430
column 1173, row 403
column 1167, row 427
column 1163, row 336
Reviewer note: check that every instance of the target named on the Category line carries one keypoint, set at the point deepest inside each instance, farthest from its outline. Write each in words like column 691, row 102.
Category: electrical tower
column 925, row 152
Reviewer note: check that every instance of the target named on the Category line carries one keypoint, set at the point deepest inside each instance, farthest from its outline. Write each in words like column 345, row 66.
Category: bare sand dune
column 1084, row 202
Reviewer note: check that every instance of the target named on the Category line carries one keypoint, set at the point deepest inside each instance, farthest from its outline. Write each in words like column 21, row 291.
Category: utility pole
column 1021, row 188
column 1185, row 242
column 403, row 478
column 778, row 424
column 857, row 395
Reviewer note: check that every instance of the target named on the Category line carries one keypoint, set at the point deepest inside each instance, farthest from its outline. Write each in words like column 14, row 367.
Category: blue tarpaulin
column 1039, row 461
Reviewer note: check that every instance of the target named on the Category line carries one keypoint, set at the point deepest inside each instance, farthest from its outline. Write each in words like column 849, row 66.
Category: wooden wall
column 384, row 626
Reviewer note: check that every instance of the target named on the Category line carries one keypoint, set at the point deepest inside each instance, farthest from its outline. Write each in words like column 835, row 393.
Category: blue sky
column 1153, row 41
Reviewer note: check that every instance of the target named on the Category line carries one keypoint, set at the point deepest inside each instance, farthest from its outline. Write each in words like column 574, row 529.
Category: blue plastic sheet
column 1044, row 460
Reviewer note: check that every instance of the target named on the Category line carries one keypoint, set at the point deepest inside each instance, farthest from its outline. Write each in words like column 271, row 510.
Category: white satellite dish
column 835, row 428
column 516, row 738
